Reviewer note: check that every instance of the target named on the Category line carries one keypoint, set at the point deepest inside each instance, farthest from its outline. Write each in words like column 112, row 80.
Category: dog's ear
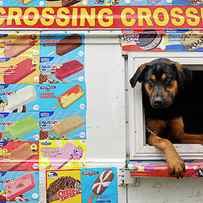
column 184, row 75
column 139, row 75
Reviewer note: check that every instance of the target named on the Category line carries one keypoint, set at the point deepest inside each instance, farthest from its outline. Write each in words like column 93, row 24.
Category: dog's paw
column 176, row 166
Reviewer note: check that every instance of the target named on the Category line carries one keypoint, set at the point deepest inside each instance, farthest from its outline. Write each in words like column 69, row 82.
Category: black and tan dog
column 163, row 85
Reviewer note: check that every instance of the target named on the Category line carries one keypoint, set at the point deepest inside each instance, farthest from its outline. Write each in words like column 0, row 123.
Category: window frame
column 136, row 125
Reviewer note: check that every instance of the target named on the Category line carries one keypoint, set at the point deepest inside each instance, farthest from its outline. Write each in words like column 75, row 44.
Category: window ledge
column 160, row 169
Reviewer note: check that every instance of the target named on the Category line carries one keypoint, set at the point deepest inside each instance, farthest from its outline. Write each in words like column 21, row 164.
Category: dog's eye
column 151, row 83
column 168, row 81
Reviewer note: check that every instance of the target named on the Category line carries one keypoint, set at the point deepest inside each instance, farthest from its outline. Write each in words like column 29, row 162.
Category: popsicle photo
column 67, row 69
column 70, row 2
column 18, row 44
column 18, row 98
column 62, row 154
column 19, row 155
column 16, row 73
column 67, row 125
column 54, row 127
column 99, row 184
column 63, row 43
column 20, row 126
column 60, row 96
column 20, row 187
column 19, row 59
column 26, row 1
column 63, row 186
column 70, row 96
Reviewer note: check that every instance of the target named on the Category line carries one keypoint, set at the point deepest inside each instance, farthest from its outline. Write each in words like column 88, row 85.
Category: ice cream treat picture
column 101, row 184
column 67, row 69
column 17, row 154
column 14, row 74
column 15, row 188
column 63, row 188
column 19, row 187
column 60, row 156
column 22, row 127
column 17, row 45
column 19, row 59
column 63, row 128
column 18, row 100
column 67, row 125
column 70, row 96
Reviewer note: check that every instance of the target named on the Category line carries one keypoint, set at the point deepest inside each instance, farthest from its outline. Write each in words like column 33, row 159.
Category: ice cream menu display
column 85, row 185
column 42, row 109
column 43, row 121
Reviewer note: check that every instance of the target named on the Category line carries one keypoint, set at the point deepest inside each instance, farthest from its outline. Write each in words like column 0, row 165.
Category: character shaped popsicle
column 21, row 97
column 19, row 186
column 101, row 183
column 61, row 156
column 18, row 72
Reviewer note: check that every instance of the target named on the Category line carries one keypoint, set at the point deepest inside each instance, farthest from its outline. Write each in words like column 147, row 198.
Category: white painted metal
column 166, row 190
column 106, row 108
column 104, row 67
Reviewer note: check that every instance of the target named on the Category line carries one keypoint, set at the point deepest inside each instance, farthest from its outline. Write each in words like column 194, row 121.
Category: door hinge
column 124, row 178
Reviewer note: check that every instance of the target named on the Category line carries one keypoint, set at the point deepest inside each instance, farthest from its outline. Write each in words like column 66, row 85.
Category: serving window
column 138, row 147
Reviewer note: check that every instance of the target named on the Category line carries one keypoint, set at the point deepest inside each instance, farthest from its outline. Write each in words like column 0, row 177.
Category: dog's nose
column 158, row 101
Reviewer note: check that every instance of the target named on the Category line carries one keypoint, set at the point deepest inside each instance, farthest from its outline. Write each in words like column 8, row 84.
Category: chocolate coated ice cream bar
column 68, row 44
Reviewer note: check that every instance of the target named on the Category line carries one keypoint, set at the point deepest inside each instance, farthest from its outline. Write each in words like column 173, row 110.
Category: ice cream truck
column 72, row 128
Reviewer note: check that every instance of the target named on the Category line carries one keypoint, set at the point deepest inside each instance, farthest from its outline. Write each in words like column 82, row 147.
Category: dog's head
column 162, row 79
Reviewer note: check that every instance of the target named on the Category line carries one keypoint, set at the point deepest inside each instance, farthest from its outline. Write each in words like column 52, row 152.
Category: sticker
column 19, row 155
column 63, row 186
column 99, row 185
column 62, row 154
column 18, row 98
column 146, row 40
column 19, row 186
column 57, row 97
column 61, row 125
column 19, row 126
column 19, row 58
column 192, row 40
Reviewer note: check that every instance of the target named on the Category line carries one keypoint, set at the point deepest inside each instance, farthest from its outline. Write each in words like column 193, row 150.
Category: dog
column 164, row 83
